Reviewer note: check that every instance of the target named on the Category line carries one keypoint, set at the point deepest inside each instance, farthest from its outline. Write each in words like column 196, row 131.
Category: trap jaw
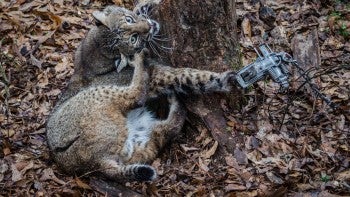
column 268, row 63
column 274, row 65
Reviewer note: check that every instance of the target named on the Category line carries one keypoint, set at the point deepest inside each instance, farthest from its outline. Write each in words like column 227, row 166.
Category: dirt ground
column 289, row 144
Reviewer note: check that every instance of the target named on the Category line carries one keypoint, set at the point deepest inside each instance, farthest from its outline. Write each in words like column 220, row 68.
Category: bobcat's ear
column 121, row 62
column 100, row 17
column 145, row 7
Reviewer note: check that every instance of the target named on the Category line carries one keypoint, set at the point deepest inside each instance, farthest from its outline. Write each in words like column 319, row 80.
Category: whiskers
column 159, row 45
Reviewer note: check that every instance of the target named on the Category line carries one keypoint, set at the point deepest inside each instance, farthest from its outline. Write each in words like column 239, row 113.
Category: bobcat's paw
column 138, row 58
column 228, row 79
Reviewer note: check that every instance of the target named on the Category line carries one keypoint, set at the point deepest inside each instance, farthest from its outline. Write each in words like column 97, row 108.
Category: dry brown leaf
column 186, row 149
column 202, row 165
column 54, row 92
column 230, row 123
column 273, row 178
column 57, row 21
column 8, row 133
column 118, row 2
column 235, row 187
column 6, row 151
column 343, row 176
column 240, row 156
column 34, row 61
column 246, row 28
column 63, row 66
column 231, row 161
column 3, row 169
column 48, row 174
column 345, row 147
column 16, row 175
column 211, row 151
column 253, row 193
column 158, row 166
column 81, row 184
column 304, row 187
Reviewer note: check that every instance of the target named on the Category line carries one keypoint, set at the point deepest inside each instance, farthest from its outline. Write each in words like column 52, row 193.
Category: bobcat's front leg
column 165, row 79
column 136, row 92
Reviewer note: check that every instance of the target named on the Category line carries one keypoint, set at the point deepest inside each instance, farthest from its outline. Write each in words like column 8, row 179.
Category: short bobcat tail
column 133, row 172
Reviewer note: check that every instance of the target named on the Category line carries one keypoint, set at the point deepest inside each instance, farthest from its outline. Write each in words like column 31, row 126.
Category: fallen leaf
column 240, row 156
column 234, row 187
column 273, row 178
column 16, row 175
column 231, row 123
column 3, row 168
column 186, row 149
column 304, row 187
column 202, row 165
column 6, row 151
column 246, row 27
column 343, row 176
column 35, row 62
column 81, row 184
column 48, row 174
column 247, row 194
column 211, row 151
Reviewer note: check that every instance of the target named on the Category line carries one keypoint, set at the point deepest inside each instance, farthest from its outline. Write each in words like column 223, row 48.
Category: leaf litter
column 289, row 144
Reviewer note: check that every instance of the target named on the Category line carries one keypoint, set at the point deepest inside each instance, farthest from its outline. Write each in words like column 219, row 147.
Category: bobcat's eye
column 129, row 19
column 134, row 38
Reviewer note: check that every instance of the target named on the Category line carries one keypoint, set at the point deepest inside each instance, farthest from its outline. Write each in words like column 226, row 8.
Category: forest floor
column 290, row 144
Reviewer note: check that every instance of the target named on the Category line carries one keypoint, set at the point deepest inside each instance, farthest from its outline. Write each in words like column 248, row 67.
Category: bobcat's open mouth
column 154, row 29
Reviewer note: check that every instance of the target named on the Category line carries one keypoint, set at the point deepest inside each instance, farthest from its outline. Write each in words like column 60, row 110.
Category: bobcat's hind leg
column 162, row 132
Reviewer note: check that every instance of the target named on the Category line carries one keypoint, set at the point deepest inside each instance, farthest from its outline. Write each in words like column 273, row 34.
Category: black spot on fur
column 211, row 78
column 219, row 83
column 201, row 86
column 198, row 77
column 186, row 88
column 188, row 81
column 144, row 173
column 177, row 81
column 161, row 82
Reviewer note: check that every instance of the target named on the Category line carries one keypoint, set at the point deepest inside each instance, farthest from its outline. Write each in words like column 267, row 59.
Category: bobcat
column 100, row 123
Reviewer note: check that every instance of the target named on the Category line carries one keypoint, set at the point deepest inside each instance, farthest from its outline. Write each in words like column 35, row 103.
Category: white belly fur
column 140, row 123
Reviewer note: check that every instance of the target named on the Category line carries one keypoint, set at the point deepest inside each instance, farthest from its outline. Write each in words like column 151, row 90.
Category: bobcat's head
column 125, row 32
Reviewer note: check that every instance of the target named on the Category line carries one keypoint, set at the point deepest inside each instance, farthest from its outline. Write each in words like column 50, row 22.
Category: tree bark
column 203, row 36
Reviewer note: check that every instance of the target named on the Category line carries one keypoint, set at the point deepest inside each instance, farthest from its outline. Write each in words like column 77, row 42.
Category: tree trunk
column 203, row 36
